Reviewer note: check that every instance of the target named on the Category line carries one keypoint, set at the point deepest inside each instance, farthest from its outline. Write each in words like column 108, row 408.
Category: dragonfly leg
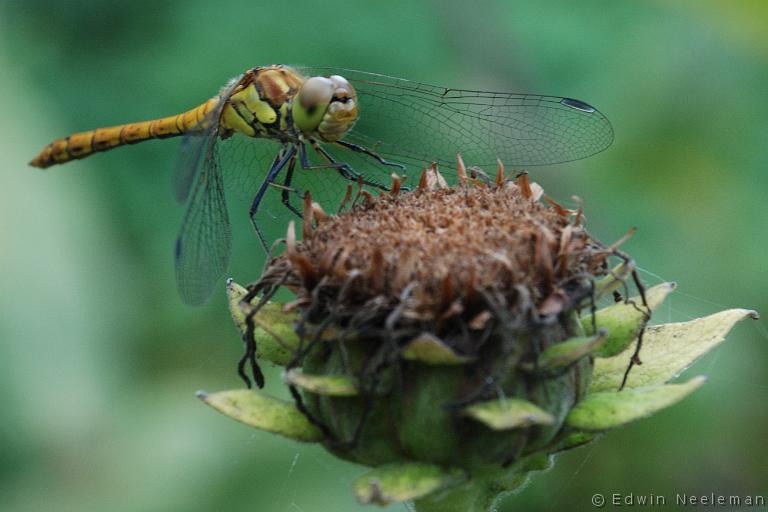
column 286, row 154
column 287, row 189
column 344, row 169
column 361, row 149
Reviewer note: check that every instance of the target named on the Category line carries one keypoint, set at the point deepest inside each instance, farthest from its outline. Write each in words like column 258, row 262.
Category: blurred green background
column 99, row 359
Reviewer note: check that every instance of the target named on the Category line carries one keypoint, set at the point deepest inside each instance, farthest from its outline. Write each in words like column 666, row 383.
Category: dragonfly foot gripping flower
column 448, row 338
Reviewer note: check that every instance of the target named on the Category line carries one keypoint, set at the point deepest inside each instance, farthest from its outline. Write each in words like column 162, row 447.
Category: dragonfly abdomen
column 80, row 145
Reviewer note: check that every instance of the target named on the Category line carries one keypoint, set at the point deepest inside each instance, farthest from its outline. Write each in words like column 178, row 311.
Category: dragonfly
column 275, row 132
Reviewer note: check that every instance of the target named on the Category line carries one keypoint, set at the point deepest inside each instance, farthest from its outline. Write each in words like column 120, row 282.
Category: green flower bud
column 447, row 339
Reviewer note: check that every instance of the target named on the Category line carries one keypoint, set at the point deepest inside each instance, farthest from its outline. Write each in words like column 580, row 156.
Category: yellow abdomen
column 80, row 145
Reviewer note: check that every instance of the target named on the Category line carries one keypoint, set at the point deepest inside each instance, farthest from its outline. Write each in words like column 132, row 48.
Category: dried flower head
column 444, row 247
column 442, row 260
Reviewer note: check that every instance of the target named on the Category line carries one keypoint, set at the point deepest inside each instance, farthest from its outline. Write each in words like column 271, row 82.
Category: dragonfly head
column 326, row 106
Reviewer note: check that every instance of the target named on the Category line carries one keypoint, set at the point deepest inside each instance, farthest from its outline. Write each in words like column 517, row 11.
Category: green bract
column 445, row 338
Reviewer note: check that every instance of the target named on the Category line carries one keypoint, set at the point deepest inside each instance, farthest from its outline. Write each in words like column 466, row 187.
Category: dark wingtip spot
column 578, row 105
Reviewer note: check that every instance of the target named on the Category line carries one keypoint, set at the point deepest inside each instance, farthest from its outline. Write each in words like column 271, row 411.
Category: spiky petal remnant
column 447, row 337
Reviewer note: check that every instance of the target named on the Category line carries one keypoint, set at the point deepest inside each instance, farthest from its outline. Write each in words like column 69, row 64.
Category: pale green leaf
column 508, row 413
column 667, row 350
column 327, row 385
column 429, row 349
column 274, row 329
column 394, row 483
column 625, row 319
column 568, row 352
column 264, row 412
column 235, row 294
column 610, row 409
column 611, row 282
column 276, row 341
column 574, row 440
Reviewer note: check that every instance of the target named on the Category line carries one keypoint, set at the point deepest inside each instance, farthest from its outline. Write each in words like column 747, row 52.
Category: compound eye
column 315, row 92
column 339, row 81
column 343, row 90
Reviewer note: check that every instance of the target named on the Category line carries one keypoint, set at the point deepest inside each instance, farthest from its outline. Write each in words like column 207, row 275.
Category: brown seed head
column 439, row 254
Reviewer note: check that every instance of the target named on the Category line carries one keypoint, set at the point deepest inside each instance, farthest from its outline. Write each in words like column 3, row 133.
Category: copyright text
column 679, row 499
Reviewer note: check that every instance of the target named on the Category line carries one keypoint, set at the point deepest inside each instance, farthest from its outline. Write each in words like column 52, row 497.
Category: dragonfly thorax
column 277, row 102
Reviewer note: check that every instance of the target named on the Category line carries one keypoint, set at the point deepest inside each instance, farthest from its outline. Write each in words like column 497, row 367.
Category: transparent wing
column 245, row 161
column 415, row 123
column 205, row 240
column 193, row 147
